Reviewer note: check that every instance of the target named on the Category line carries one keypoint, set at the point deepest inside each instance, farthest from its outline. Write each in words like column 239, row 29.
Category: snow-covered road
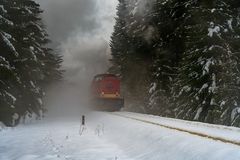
column 112, row 137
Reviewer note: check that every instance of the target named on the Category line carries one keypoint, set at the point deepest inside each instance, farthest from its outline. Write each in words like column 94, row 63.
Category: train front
column 105, row 93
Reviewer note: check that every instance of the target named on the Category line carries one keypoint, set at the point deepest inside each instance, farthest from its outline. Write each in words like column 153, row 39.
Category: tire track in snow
column 203, row 135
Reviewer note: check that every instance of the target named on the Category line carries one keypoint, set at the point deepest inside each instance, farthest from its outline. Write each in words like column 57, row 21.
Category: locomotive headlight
column 117, row 94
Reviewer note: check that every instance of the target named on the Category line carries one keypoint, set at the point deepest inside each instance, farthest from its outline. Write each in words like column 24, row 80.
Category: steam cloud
column 80, row 30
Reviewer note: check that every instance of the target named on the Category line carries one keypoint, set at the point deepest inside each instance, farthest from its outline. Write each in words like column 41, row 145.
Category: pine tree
column 24, row 48
column 190, row 51
column 130, row 46
column 8, row 78
column 167, row 48
column 119, row 39
column 208, row 80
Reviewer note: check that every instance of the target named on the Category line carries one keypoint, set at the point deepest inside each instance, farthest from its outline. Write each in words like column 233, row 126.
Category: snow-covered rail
column 219, row 133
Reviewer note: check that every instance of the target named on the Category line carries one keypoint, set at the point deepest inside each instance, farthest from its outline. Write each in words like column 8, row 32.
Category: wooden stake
column 83, row 120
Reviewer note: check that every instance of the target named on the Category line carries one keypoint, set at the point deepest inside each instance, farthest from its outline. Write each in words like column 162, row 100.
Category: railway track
column 179, row 129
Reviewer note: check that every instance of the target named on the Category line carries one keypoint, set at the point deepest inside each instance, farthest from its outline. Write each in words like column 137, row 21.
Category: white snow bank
column 111, row 137
column 230, row 133
column 57, row 140
column 143, row 141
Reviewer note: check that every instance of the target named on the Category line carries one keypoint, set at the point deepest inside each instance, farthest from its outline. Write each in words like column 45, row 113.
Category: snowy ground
column 111, row 137
column 217, row 131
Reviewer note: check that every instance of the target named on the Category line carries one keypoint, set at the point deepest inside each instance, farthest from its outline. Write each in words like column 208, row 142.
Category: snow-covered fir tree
column 130, row 51
column 188, row 52
column 119, row 39
column 31, row 63
column 207, row 87
column 167, row 49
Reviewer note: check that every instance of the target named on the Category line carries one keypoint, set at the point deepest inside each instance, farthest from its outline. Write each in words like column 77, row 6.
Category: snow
column 6, row 20
column 186, row 89
column 153, row 88
column 136, row 7
column 40, row 101
column 2, row 126
column 108, row 136
column 4, row 63
column 15, row 117
column 3, row 9
column 134, row 11
column 235, row 112
column 32, row 84
column 199, row 111
column 28, row 10
column 213, row 86
column 230, row 23
column 6, row 38
column 28, row 118
column 57, row 141
column 222, row 103
column 203, row 88
column 213, row 10
column 231, row 133
column 213, row 29
column 12, row 106
column 31, row 48
column 207, row 66
column 11, row 96
column 33, row 54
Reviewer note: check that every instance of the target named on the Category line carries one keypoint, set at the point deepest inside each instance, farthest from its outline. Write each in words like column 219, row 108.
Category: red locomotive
column 105, row 93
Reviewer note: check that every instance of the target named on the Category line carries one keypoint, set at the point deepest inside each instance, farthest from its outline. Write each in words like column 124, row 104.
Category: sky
column 80, row 30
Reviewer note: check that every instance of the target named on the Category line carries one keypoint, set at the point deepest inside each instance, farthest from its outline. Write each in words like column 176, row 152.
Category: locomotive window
column 98, row 79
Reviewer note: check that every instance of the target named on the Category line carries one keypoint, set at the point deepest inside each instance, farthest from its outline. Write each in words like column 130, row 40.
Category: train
column 105, row 93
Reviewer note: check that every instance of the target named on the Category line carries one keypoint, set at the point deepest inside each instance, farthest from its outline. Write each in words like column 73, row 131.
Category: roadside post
column 83, row 120
column 83, row 125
